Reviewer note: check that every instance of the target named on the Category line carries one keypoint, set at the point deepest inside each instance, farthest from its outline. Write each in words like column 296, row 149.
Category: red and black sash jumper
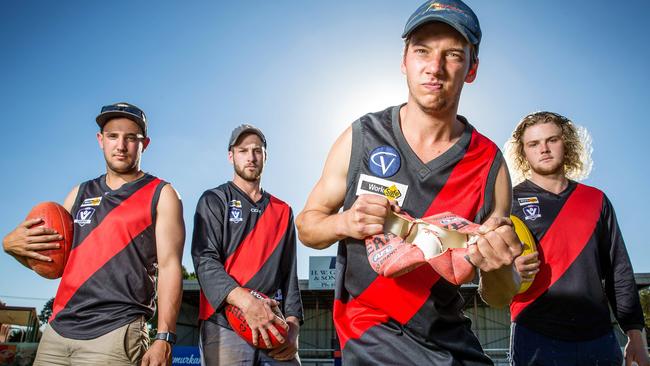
column 417, row 318
column 109, row 278
column 238, row 242
column 584, row 268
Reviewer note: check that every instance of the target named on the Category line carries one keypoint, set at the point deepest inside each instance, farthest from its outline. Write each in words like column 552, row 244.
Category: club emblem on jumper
column 84, row 215
column 278, row 295
column 235, row 215
column 235, row 203
column 384, row 161
column 531, row 212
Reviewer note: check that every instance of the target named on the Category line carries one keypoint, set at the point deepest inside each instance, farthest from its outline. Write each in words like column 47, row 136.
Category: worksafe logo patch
column 84, row 215
column 382, row 187
column 523, row 201
column 384, row 161
column 89, row 202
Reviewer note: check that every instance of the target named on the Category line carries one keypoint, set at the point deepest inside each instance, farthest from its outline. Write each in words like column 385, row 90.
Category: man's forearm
column 169, row 296
column 294, row 320
column 318, row 229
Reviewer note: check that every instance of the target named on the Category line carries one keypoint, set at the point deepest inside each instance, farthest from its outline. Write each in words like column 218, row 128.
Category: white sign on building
column 322, row 273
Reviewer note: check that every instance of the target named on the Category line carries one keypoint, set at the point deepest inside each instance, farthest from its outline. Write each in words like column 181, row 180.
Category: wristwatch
column 168, row 337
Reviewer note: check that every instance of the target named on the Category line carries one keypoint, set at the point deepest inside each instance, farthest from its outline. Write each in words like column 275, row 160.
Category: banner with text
column 322, row 273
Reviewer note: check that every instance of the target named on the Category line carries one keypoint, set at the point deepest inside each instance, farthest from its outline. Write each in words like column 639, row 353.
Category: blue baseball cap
column 453, row 12
column 125, row 110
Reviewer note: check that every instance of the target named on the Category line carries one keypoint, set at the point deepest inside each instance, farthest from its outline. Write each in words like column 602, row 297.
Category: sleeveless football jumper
column 416, row 318
column 109, row 278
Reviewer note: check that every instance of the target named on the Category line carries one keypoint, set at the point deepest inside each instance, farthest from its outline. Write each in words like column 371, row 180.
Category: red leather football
column 56, row 217
column 238, row 323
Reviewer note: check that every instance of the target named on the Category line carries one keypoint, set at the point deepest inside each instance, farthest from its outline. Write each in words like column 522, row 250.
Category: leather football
column 528, row 240
column 56, row 217
column 239, row 324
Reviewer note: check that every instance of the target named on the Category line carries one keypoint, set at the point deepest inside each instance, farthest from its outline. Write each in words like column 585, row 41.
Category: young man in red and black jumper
column 428, row 160
column 128, row 227
column 564, row 317
column 244, row 238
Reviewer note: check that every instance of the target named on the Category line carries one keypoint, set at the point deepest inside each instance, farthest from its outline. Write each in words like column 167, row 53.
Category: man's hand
column 262, row 320
column 636, row 349
column 497, row 247
column 287, row 351
column 159, row 354
column 527, row 266
column 494, row 254
column 25, row 241
column 366, row 216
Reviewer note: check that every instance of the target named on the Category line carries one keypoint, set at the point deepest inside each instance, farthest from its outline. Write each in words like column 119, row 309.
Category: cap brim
column 253, row 130
column 443, row 19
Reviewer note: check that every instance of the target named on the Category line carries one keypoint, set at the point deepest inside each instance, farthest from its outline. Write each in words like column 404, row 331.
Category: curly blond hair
column 577, row 147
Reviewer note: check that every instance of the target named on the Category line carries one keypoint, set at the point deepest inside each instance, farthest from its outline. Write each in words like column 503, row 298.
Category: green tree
column 645, row 305
column 46, row 312
column 188, row 275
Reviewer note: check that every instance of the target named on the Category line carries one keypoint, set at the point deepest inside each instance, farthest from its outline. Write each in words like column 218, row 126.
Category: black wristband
column 168, row 337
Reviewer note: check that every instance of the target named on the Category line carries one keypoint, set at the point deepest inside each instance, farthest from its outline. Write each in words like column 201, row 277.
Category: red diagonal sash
column 467, row 181
column 258, row 245
column 255, row 249
column 400, row 298
column 104, row 242
column 562, row 243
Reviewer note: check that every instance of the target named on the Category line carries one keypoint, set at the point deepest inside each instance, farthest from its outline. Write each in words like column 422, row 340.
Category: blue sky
column 302, row 71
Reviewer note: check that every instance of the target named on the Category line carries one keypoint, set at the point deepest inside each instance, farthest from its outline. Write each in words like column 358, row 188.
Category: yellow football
column 528, row 239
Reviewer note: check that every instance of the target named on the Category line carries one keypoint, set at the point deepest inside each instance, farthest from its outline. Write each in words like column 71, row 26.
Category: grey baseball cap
column 242, row 129
column 124, row 110
column 452, row 12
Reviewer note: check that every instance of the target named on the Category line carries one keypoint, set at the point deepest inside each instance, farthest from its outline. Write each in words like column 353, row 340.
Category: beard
column 247, row 175
column 548, row 169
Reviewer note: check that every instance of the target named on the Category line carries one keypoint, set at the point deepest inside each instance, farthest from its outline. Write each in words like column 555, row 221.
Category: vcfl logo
column 83, row 216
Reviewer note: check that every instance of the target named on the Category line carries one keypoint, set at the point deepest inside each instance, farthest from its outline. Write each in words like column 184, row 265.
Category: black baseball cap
column 242, row 129
column 122, row 110
column 452, row 12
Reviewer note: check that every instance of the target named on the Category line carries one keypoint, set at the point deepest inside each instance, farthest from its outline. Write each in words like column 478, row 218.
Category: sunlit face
column 123, row 143
column 544, row 148
column 437, row 64
column 248, row 157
